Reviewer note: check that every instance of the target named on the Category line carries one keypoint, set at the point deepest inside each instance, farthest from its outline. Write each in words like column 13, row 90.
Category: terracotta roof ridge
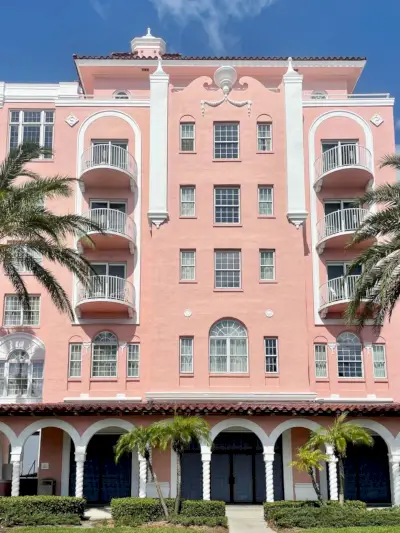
column 178, row 56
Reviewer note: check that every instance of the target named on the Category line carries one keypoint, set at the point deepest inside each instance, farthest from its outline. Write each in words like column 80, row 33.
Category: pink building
column 228, row 190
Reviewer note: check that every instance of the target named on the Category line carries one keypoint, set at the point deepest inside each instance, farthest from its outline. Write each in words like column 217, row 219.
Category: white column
column 80, row 458
column 159, row 86
column 333, row 480
column 269, row 472
column 296, row 194
column 395, row 466
column 206, row 461
column 142, row 476
column 16, row 470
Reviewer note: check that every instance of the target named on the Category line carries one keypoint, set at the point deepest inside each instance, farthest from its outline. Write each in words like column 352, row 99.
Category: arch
column 44, row 423
column 320, row 339
column 104, row 424
column 22, row 341
column 187, row 118
column 379, row 429
column 240, row 423
column 9, row 433
column 228, row 347
column 264, row 117
column 348, row 337
column 105, row 337
column 289, row 424
column 234, row 327
column 121, row 94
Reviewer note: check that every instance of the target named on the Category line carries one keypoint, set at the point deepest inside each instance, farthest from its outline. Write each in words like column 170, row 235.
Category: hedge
column 271, row 507
column 208, row 521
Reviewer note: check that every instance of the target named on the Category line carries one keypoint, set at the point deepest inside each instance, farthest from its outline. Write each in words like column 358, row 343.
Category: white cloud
column 213, row 15
column 100, row 7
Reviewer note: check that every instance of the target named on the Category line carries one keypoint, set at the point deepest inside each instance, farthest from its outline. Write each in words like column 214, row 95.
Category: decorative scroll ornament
column 225, row 78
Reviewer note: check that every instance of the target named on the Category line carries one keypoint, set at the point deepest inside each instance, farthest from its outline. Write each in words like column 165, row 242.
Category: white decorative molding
column 269, row 313
column 377, row 120
column 350, row 102
column 94, row 399
column 231, row 396
column 71, row 120
column 187, row 313
column 225, row 77
column 149, row 42
column 332, row 346
column 355, row 399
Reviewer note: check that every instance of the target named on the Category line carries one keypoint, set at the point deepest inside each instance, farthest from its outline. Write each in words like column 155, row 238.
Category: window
column 75, row 360
column 15, row 315
column 226, row 140
column 226, row 205
column 271, row 355
column 227, row 269
column 267, row 265
column 379, row 360
column 188, row 201
column 188, row 265
column 121, row 95
column 186, row 355
column 32, row 126
column 187, row 136
column 265, row 201
column 321, row 361
column 109, row 152
column 104, row 360
column 349, row 352
column 228, row 348
column 339, row 153
column 19, row 376
column 19, row 263
column 264, row 136
column 133, row 360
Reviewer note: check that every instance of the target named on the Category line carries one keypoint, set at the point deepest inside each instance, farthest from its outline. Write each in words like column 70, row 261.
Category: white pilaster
column 206, row 461
column 142, row 476
column 80, row 458
column 16, row 470
column 269, row 472
column 333, row 480
column 159, row 82
column 296, row 196
column 395, row 477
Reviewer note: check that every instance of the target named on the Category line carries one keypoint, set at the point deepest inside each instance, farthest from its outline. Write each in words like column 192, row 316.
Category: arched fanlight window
column 228, row 347
column 20, row 377
column 121, row 95
column 319, row 95
column 349, row 353
column 104, row 355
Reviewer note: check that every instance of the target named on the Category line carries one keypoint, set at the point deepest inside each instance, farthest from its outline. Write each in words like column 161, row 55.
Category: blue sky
column 37, row 39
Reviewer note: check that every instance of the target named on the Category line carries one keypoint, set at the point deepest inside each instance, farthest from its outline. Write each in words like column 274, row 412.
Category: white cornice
column 351, row 102
column 363, row 399
column 94, row 399
column 232, row 396
column 82, row 102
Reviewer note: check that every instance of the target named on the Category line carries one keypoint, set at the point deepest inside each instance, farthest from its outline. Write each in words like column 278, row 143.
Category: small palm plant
column 339, row 436
column 179, row 433
column 28, row 230
column 308, row 460
column 141, row 439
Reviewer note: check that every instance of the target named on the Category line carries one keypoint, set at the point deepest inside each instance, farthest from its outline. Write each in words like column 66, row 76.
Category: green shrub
column 203, row 508
column 39, row 519
column 271, row 507
column 208, row 521
column 37, row 510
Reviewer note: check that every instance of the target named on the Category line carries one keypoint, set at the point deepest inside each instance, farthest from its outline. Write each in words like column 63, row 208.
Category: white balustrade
column 345, row 220
column 110, row 155
column 343, row 155
column 106, row 288
column 338, row 289
column 113, row 221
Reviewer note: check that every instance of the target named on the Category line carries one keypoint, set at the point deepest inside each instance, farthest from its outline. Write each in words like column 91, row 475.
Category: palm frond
column 390, row 160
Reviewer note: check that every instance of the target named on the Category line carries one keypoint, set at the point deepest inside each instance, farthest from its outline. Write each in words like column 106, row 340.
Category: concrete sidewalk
column 246, row 519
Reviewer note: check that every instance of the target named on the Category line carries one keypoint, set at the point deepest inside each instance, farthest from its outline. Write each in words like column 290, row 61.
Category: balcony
column 119, row 230
column 335, row 229
column 336, row 294
column 345, row 165
column 105, row 295
column 108, row 166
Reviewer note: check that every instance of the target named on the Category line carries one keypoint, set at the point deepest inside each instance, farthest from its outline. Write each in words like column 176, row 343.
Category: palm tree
column 339, row 436
column 28, row 230
column 378, row 287
column 179, row 433
column 141, row 439
column 309, row 460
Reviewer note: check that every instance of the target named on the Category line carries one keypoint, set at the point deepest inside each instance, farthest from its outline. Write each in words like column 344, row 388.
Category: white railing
column 338, row 289
column 98, row 155
column 114, row 221
column 340, row 222
column 344, row 155
column 106, row 288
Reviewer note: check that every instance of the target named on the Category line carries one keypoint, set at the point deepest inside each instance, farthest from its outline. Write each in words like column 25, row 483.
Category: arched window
column 187, row 134
column 349, row 353
column 319, row 95
column 228, row 347
column 104, row 355
column 20, row 377
column 121, row 95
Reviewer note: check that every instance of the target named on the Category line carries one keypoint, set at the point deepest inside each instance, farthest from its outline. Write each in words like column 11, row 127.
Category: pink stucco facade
column 306, row 141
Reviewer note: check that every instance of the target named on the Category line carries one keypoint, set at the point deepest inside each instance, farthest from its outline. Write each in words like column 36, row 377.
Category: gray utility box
column 46, row 487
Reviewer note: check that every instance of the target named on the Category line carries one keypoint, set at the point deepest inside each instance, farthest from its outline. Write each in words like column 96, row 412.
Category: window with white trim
column 121, row 95
column 19, row 264
column 267, row 265
column 379, row 360
column 33, row 126
column 228, row 348
column 271, row 355
column 187, row 265
column 226, row 140
column 21, row 377
column 75, row 360
column 187, row 136
column 264, row 136
column 104, row 355
column 133, row 360
column 349, row 353
column 227, row 269
column 226, row 205
column 265, row 200
column 188, row 201
column 16, row 315
column 186, row 355
column 320, row 361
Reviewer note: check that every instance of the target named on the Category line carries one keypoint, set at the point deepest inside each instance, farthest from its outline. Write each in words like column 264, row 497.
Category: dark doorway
column 103, row 479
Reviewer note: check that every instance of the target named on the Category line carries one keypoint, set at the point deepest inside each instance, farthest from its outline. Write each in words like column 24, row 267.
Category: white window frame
column 338, row 343
column 5, row 377
column 22, row 311
column 189, row 357
column 273, row 266
column 94, row 344
column 42, row 124
column 227, row 123
column 260, row 202
column 236, row 206
column 20, row 268
column 228, row 354
column 216, row 252
column 77, row 361
column 264, row 137
column 375, row 360
column 321, row 360
column 271, row 356
column 182, row 201
column 133, row 358
column 121, row 94
column 181, row 138
column 191, row 266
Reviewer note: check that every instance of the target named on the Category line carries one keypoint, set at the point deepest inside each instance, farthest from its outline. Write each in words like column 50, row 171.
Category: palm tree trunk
column 316, row 486
column 178, row 500
column 341, row 479
column 158, row 488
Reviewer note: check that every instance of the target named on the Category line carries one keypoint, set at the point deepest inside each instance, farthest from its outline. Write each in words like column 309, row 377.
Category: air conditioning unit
column 46, row 487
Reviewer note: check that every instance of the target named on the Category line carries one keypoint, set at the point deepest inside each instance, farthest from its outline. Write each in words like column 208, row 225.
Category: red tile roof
column 237, row 408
